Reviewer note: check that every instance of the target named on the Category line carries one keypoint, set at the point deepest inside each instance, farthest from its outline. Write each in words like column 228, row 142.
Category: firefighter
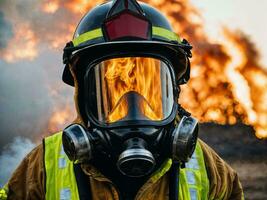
column 131, row 140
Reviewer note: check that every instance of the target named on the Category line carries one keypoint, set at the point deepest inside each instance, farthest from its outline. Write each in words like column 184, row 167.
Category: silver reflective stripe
column 65, row 194
column 194, row 155
column 192, row 164
column 62, row 152
column 195, row 176
column 190, row 176
column 62, row 163
column 193, row 193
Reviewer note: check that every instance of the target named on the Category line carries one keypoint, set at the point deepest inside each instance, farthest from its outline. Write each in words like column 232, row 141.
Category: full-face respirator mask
column 133, row 116
column 128, row 64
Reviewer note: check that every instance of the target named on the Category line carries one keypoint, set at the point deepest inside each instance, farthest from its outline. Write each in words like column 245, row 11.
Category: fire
column 223, row 86
column 81, row 6
column 227, row 86
column 51, row 6
column 22, row 45
column 249, row 83
column 59, row 118
column 239, row 84
column 133, row 74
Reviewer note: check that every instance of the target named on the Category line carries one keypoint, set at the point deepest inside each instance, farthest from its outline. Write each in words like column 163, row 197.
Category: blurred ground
column 244, row 152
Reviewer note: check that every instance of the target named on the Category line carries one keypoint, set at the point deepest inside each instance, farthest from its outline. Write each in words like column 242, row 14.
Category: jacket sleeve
column 224, row 181
column 27, row 182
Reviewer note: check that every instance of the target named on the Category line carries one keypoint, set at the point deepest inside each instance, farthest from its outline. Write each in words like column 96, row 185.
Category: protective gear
column 56, row 162
column 3, row 193
column 135, row 160
column 129, row 89
column 125, row 27
column 194, row 184
column 128, row 64
column 34, row 184
column 93, row 46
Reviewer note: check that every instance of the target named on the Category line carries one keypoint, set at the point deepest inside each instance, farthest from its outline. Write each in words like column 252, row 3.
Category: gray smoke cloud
column 48, row 26
column 12, row 155
column 5, row 31
column 28, row 96
column 30, row 90
column 26, row 105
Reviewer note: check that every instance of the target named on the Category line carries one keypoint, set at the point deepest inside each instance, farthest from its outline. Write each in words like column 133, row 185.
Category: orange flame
column 59, row 119
column 81, row 6
column 134, row 74
column 251, row 91
column 22, row 45
column 50, row 6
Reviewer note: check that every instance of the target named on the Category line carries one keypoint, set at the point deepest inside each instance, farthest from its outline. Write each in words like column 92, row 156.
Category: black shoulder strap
column 174, row 181
column 83, row 184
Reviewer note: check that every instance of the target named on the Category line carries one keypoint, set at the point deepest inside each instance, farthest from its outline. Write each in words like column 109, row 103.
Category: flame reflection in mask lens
column 133, row 88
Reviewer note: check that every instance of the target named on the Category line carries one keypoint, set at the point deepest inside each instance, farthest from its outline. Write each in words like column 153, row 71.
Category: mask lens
column 132, row 88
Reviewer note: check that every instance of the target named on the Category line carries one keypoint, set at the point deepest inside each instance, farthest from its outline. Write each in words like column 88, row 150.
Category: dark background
column 239, row 147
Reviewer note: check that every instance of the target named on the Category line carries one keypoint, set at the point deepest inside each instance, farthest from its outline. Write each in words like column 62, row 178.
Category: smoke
column 12, row 156
column 31, row 68
column 52, row 28
column 30, row 92
column 5, row 31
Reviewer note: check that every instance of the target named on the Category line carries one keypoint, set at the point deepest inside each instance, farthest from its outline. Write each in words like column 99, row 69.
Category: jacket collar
column 97, row 175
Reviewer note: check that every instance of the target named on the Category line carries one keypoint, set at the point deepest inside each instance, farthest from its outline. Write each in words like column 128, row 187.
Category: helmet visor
column 130, row 88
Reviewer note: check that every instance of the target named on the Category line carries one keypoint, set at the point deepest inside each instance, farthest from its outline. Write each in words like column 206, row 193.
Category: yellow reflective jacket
column 3, row 193
column 61, row 182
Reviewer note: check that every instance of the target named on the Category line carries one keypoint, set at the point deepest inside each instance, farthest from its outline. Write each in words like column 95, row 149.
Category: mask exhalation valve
column 77, row 144
column 136, row 160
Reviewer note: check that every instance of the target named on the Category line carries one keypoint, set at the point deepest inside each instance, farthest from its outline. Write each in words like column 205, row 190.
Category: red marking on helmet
column 126, row 3
column 127, row 25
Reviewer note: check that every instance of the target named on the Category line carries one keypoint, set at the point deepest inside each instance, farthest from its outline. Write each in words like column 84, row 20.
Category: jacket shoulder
column 27, row 181
column 224, row 181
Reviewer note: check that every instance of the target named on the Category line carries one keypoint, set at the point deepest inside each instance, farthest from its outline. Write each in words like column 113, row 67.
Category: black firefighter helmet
column 127, row 64
column 124, row 29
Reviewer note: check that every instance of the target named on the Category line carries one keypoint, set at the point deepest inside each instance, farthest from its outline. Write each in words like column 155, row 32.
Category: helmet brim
column 172, row 52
